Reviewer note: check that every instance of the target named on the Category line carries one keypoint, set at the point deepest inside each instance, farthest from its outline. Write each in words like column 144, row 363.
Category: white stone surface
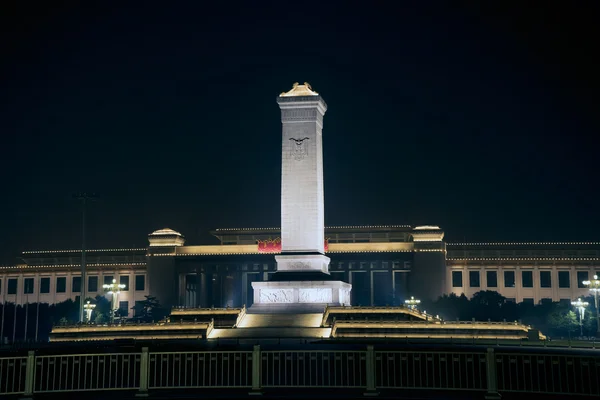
column 315, row 295
column 308, row 262
column 276, row 296
column 302, row 207
column 305, row 292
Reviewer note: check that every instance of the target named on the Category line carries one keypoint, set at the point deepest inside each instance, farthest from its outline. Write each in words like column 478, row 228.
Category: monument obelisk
column 302, row 276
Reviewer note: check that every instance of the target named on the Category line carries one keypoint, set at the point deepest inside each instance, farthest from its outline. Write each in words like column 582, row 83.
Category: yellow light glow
column 300, row 90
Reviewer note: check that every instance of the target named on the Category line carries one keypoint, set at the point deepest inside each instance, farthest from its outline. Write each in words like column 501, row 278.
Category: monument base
column 303, row 262
column 299, row 296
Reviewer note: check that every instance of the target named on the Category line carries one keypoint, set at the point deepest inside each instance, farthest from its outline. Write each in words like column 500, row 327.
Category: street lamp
column 84, row 198
column 580, row 306
column 114, row 288
column 412, row 303
column 594, row 286
column 88, row 310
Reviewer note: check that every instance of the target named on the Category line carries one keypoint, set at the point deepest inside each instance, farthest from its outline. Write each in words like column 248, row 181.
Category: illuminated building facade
column 384, row 264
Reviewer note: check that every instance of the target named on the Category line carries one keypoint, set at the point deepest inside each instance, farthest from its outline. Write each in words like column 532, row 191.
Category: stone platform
column 299, row 296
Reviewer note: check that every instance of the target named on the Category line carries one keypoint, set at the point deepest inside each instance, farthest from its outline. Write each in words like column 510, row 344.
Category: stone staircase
column 278, row 325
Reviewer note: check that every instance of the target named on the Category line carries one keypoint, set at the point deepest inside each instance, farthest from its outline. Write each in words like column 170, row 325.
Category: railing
column 307, row 369
column 488, row 371
column 543, row 373
column 431, row 370
column 222, row 369
column 12, row 375
column 84, row 372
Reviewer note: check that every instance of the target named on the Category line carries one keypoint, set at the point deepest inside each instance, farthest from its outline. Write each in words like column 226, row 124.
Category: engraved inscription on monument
column 317, row 295
column 299, row 265
column 276, row 296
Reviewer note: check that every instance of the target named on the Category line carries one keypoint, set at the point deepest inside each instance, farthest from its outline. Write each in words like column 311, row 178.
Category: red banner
column 274, row 245
column 269, row 246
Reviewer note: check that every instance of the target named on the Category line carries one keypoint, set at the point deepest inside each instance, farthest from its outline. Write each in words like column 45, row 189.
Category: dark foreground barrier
column 366, row 370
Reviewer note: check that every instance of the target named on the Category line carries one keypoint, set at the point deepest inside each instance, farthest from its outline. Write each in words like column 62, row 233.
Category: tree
column 562, row 322
column 148, row 310
column 487, row 304
column 102, row 310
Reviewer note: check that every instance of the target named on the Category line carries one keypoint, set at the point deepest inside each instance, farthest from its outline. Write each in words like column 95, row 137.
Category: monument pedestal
column 300, row 284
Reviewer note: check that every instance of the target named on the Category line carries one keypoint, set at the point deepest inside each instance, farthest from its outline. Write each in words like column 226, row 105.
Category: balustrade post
column 144, row 373
column 256, row 364
column 370, row 370
column 29, row 375
column 492, row 377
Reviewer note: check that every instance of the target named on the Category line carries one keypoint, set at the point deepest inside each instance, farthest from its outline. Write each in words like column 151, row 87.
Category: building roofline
column 520, row 243
column 79, row 251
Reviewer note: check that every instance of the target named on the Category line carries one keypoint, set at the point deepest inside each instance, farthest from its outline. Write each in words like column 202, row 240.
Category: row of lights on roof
column 521, row 243
column 327, row 227
column 74, row 265
column 78, row 251
column 330, row 251
column 526, row 259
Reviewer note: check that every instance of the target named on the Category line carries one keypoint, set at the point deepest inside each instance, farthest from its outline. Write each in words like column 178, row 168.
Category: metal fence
column 543, row 373
column 12, row 375
column 200, row 369
column 313, row 369
column 431, row 370
column 368, row 370
column 82, row 372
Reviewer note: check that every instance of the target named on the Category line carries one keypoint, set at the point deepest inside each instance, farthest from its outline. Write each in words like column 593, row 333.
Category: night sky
column 480, row 120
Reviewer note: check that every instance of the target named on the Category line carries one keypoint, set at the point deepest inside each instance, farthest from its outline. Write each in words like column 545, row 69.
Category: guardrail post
column 370, row 369
column 144, row 373
column 29, row 375
column 256, row 378
column 492, row 377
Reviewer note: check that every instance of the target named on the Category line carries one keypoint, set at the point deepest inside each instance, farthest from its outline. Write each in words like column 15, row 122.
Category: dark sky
column 482, row 120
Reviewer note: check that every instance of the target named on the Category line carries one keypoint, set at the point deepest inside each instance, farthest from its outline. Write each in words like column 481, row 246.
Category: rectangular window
column 457, row 279
column 124, row 307
column 92, row 284
column 565, row 302
column 527, row 279
column 124, row 280
column 509, row 278
column 108, row 279
column 528, row 300
column 28, row 286
column 12, row 286
column 140, row 282
column 582, row 276
column 511, row 300
column 545, row 279
column 61, row 284
column 474, row 279
column 76, row 284
column 45, row 285
column 546, row 300
column 492, row 278
column 564, row 279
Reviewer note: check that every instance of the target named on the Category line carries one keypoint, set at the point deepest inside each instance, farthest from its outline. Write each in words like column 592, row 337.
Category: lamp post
column 594, row 286
column 114, row 288
column 88, row 310
column 84, row 197
column 580, row 306
column 412, row 303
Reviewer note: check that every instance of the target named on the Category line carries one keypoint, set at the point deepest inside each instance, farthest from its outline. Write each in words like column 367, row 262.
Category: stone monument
column 302, row 280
